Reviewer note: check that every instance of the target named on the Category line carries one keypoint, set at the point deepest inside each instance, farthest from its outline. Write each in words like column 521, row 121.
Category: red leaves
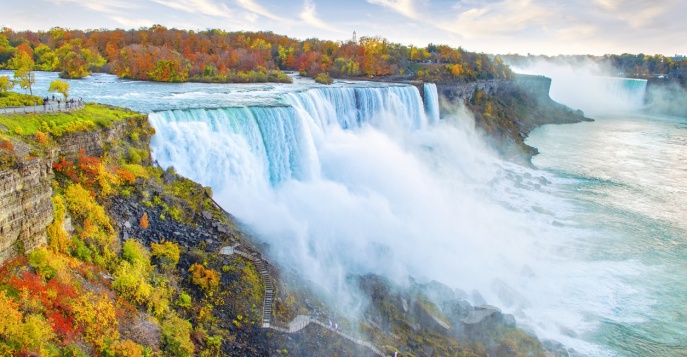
column 55, row 300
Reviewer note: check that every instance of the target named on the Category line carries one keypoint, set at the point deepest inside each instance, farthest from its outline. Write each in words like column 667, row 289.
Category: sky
column 492, row 26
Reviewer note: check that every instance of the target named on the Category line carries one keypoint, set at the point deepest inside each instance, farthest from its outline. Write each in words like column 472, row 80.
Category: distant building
column 355, row 37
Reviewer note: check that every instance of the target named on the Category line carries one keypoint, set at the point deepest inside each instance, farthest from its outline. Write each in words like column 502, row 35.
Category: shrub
column 131, row 283
column 323, row 78
column 206, row 279
column 135, row 253
column 184, row 300
column 134, row 156
column 96, row 316
column 176, row 337
column 125, row 348
column 167, row 253
column 39, row 261
column 143, row 222
column 41, row 137
column 57, row 237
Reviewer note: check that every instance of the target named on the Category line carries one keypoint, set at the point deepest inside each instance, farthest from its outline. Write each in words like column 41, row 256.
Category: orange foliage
column 144, row 221
column 204, row 278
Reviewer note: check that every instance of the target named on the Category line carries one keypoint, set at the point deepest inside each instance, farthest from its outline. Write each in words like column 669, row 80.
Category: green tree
column 22, row 64
column 60, row 87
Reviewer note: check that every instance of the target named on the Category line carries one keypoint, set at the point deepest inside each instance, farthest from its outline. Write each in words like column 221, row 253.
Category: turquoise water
column 627, row 174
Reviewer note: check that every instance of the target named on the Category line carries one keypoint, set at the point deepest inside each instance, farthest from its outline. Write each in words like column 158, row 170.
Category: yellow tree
column 5, row 84
column 60, row 87
column 22, row 64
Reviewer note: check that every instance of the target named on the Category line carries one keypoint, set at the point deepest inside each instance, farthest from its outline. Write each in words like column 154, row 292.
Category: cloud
column 309, row 15
column 403, row 7
column 254, row 7
column 206, row 7
column 132, row 23
column 577, row 32
column 636, row 13
column 103, row 6
column 608, row 4
column 499, row 19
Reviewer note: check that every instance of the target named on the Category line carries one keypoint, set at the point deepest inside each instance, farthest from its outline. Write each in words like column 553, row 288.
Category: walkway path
column 298, row 323
column 50, row 108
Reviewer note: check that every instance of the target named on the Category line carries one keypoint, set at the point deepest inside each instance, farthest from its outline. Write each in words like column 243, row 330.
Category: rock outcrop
column 25, row 192
column 25, row 206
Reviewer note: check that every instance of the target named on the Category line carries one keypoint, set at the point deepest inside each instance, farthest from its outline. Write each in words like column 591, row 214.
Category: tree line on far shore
column 171, row 55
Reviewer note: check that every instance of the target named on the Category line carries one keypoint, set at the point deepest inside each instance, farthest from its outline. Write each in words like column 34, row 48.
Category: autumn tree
column 22, row 64
column 5, row 84
column 59, row 86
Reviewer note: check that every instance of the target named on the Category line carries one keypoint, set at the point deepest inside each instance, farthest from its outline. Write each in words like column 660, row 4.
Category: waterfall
column 281, row 138
column 431, row 102
column 356, row 179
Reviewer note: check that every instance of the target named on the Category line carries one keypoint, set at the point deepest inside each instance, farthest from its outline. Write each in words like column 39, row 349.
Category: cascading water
column 600, row 95
column 355, row 180
column 431, row 102
column 590, row 88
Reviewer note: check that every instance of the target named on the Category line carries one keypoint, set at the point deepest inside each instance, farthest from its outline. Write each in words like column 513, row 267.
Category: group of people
column 71, row 103
column 68, row 103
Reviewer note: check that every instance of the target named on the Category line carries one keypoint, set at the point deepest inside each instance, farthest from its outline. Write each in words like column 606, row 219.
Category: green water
column 627, row 177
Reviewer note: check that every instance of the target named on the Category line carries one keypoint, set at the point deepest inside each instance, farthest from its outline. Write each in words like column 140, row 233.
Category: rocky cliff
column 25, row 206
column 25, row 192
column 507, row 110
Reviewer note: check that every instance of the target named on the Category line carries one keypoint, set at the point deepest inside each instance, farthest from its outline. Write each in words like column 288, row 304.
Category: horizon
column 497, row 27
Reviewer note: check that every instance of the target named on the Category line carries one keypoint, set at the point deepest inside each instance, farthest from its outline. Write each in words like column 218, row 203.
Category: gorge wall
column 507, row 110
column 25, row 191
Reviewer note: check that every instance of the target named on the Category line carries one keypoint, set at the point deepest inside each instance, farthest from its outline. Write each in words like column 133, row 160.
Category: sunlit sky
column 491, row 26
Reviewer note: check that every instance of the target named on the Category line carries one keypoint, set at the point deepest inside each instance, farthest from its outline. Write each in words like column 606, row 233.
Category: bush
column 167, row 253
column 184, row 300
column 176, row 337
column 134, row 156
column 125, row 348
column 323, row 78
column 132, row 284
column 143, row 222
column 41, row 138
column 135, row 253
column 206, row 279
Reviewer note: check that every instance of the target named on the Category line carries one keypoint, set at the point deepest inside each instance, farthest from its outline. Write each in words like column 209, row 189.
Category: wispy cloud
column 254, row 7
column 403, row 7
column 132, row 23
column 102, row 6
column 499, row 19
column 577, row 32
column 206, row 7
column 309, row 15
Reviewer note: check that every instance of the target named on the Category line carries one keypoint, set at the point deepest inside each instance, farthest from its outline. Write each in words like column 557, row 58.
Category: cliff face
column 25, row 191
column 465, row 91
column 507, row 110
column 25, row 206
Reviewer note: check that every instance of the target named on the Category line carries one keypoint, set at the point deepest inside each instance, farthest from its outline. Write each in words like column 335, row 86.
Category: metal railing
column 52, row 107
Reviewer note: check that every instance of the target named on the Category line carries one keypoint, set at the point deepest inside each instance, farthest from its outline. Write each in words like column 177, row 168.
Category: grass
column 59, row 124
column 12, row 99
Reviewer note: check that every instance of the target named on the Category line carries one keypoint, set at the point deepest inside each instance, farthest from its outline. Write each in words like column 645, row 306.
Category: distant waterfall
column 431, row 102
column 629, row 91
column 280, row 138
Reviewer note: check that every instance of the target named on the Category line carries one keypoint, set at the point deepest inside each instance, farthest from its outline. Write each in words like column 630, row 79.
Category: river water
column 588, row 249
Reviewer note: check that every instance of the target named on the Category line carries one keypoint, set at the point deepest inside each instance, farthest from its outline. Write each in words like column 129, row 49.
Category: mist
column 394, row 198
column 593, row 87
column 666, row 97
